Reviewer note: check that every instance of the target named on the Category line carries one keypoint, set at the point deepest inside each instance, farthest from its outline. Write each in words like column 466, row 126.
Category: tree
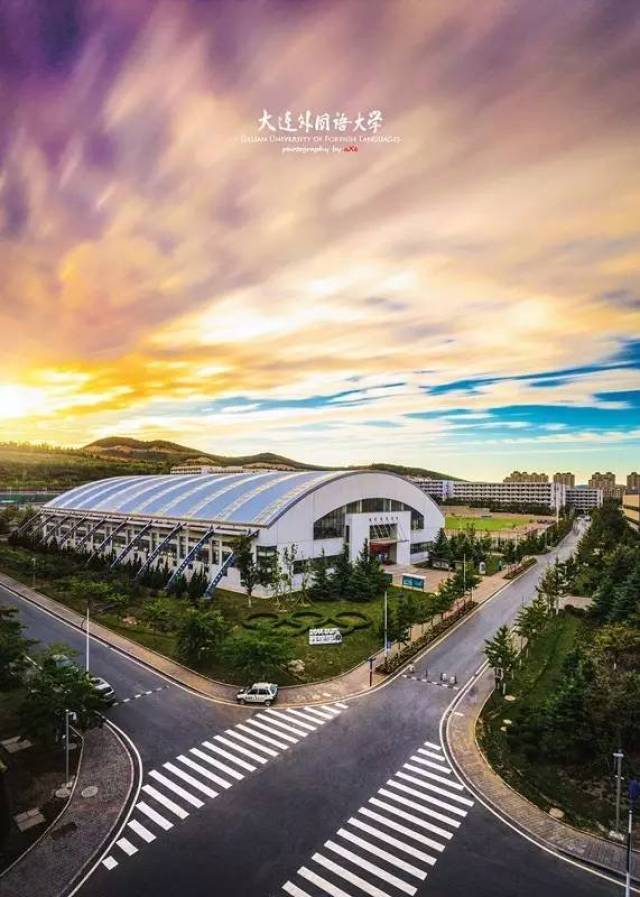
column 626, row 597
column 340, row 579
column 52, row 691
column 531, row 619
column 13, row 646
column 320, row 589
column 200, row 634
column 501, row 653
column 289, row 559
column 259, row 654
column 441, row 550
column 250, row 573
column 552, row 585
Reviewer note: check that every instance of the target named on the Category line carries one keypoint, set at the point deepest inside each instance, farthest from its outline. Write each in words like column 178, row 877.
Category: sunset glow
column 466, row 299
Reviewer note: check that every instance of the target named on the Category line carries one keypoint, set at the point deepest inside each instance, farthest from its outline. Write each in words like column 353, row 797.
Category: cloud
column 154, row 264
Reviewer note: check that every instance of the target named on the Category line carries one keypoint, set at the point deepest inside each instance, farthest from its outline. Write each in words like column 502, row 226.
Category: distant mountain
column 26, row 466
column 124, row 447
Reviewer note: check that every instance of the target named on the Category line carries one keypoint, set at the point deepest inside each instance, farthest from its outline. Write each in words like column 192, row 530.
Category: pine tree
column 501, row 653
column 321, row 586
column 340, row 579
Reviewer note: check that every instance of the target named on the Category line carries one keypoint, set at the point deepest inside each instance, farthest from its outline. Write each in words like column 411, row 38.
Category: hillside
column 27, row 466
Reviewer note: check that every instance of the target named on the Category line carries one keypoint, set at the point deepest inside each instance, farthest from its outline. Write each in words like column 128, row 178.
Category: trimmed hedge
column 255, row 620
column 300, row 621
column 524, row 565
column 392, row 663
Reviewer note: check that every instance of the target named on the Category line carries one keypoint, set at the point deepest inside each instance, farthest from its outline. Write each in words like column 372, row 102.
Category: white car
column 102, row 687
column 258, row 693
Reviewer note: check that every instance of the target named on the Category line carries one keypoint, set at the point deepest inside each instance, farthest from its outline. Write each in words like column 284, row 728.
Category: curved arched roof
column 251, row 498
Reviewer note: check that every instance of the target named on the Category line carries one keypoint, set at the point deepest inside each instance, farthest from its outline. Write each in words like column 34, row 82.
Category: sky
column 462, row 294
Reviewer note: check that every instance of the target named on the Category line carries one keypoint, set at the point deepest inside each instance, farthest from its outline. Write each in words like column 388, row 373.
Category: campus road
column 351, row 798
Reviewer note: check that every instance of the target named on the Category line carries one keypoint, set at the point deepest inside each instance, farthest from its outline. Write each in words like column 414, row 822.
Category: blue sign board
column 412, row 582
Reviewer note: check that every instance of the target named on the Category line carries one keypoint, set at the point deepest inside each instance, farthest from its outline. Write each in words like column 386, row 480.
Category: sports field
column 488, row 524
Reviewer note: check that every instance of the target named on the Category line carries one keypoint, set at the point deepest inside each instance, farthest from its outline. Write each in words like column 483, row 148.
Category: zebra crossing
column 180, row 786
column 389, row 845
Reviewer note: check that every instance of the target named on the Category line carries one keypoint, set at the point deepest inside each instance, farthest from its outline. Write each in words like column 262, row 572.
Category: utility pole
column 87, row 641
column 618, row 756
column 66, row 748
column 464, row 578
column 386, row 620
column 634, row 793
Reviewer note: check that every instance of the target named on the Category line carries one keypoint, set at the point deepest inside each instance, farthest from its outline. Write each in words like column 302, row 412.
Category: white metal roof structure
column 249, row 498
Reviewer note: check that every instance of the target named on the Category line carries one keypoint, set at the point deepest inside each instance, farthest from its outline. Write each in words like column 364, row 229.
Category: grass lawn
column 321, row 661
column 584, row 792
column 487, row 524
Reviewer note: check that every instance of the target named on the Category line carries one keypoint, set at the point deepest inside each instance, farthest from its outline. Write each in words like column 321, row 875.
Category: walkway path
column 461, row 743
column 74, row 839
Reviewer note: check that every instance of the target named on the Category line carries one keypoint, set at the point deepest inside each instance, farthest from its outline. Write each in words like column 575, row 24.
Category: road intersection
column 351, row 798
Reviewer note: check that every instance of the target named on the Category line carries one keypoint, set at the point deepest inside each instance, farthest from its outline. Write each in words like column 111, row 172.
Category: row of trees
column 476, row 548
column 594, row 704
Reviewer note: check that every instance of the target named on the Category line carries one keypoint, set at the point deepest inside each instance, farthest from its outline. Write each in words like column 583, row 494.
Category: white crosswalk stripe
column 165, row 801
column 430, row 764
column 433, row 776
column 307, row 716
column 217, row 764
column 383, row 854
column 292, row 889
column 353, row 879
column 210, row 746
column 319, row 714
column 141, row 831
column 409, row 817
column 392, row 841
column 290, row 720
column 177, row 789
column 279, row 724
column 321, row 883
column 436, row 789
column 205, row 773
column 254, row 724
column 254, row 744
column 190, row 780
column 368, row 866
column 238, row 747
column 398, row 827
column 154, row 816
column 427, row 798
column 222, row 761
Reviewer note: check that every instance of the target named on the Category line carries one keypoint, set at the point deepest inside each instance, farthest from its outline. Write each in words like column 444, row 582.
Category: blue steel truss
column 127, row 548
column 208, row 592
column 90, row 532
column 56, row 529
column 30, row 522
column 111, row 535
column 156, row 551
column 190, row 555
column 72, row 531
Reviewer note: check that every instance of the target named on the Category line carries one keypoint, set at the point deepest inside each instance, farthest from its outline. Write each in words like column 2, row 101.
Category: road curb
column 57, row 614
column 61, row 855
column 452, row 746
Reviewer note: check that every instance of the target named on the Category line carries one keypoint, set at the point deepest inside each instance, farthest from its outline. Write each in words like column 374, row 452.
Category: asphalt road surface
column 350, row 799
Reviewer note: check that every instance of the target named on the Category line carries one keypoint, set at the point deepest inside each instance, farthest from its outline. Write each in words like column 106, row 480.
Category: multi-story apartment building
column 518, row 476
column 438, row 489
column 631, row 508
column 607, row 482
column 633, row 482
column 567, row 479
column 551, row 494
column 583, row 498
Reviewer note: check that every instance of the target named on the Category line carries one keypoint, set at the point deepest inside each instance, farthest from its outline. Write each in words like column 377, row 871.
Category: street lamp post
column 618, row 757
column 634, row 793
column 87, row 640
column 66, row 748
column 386, row 621
column 33, row 572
